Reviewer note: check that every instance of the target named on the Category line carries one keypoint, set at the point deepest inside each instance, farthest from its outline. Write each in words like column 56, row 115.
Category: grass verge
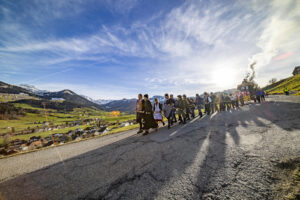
column 289, row 185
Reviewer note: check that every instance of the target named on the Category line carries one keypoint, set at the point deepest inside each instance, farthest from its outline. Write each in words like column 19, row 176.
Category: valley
column 29, row 121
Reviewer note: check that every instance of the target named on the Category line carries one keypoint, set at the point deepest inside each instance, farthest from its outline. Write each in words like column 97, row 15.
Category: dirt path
column 230, row 155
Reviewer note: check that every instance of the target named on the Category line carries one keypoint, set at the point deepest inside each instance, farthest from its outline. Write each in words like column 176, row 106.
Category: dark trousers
column 139, row 118
column 199, row 110
column 233, row 104
column 258, row 99
column 187, row 115
column 207, row 108
column 193, row 112
column 170, row 121
column 222, row 107
column 174, row 116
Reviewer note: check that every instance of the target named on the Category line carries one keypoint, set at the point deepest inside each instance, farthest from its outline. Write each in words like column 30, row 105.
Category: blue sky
column 113, row 49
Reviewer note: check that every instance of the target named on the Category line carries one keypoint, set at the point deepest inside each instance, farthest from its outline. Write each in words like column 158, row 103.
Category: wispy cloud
column 197, row 46
column 280, row 34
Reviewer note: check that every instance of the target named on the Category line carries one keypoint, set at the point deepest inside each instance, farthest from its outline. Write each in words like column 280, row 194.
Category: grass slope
column 292, row 83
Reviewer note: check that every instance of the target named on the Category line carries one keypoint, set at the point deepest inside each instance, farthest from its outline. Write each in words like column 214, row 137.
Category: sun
column 224, row 77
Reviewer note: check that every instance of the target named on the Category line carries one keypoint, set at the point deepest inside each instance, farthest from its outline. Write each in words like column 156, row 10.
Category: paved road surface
column 229, row 155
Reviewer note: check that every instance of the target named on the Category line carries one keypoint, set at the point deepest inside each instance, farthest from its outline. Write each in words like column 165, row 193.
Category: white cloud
column 197, row 46
column 281, row 32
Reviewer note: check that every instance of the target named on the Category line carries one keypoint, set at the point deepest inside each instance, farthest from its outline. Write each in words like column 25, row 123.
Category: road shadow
column 184, row 166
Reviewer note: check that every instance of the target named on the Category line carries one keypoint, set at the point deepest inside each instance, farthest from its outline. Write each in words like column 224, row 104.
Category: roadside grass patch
column 289, row 176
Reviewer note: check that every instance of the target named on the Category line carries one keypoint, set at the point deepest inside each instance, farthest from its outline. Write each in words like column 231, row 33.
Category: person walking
column 149, row 121
column 262, row 95
column 181, row 109
column 227, row 102
column 173, row 115
column 207, row 101
column 232, row 98
column 192, row 107
column 168, row 109
column 220, row 101
column 241, row 97
column 257, row 93
column 237, row 100
column 286, row 91
column 157, row 109
column 186, row 103
column 213, row 103
column 199, row 102
column 139, row 112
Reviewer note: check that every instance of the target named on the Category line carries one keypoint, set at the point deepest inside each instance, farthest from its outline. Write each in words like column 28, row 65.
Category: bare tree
column 273, row 80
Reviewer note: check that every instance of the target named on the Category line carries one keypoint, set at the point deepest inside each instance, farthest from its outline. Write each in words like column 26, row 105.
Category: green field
column 35, row 117
column 291, row 83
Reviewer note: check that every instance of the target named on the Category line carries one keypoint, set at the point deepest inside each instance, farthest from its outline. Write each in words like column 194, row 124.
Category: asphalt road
column 229, row 155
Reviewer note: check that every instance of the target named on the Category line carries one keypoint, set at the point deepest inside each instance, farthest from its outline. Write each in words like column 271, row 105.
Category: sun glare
column 224, row 77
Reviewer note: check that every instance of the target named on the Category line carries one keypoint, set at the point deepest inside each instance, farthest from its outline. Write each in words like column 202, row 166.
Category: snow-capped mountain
column 33, row 89
column 98, row 101
column 104, row 101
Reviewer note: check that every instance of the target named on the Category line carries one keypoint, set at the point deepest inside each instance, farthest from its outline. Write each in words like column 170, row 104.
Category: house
column 296, row 70
column 57, row 99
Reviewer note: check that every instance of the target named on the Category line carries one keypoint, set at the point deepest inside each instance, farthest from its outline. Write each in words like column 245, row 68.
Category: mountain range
column 72, row 100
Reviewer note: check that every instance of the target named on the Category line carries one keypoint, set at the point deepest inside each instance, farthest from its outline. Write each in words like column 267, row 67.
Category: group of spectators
column 182, row 108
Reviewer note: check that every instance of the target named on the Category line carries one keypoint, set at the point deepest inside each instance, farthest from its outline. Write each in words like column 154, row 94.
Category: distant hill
column 123, row 105
column 12, row 89
column 70, row 96
column 33, row 89
column 57, row 105
column 292, row 84
column 71, row 99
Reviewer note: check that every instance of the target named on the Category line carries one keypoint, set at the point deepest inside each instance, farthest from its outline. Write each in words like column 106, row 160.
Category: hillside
column 123, row 105
column 70, row 96
column 292, row 84
column 34, row 97
column 12, row 89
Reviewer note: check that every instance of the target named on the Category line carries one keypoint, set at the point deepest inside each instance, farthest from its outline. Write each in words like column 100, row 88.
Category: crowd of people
column 182, row 108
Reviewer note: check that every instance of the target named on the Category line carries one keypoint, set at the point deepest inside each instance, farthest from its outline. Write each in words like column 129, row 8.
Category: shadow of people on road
column 203, row 155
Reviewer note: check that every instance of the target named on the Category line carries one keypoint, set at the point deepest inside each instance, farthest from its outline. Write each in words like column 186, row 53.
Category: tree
column 273, row 80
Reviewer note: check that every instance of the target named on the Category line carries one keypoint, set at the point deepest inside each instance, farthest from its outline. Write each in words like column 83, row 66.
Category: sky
column 114, row 49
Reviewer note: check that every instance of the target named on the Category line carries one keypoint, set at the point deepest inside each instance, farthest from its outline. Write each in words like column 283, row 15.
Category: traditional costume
column 149, row 121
